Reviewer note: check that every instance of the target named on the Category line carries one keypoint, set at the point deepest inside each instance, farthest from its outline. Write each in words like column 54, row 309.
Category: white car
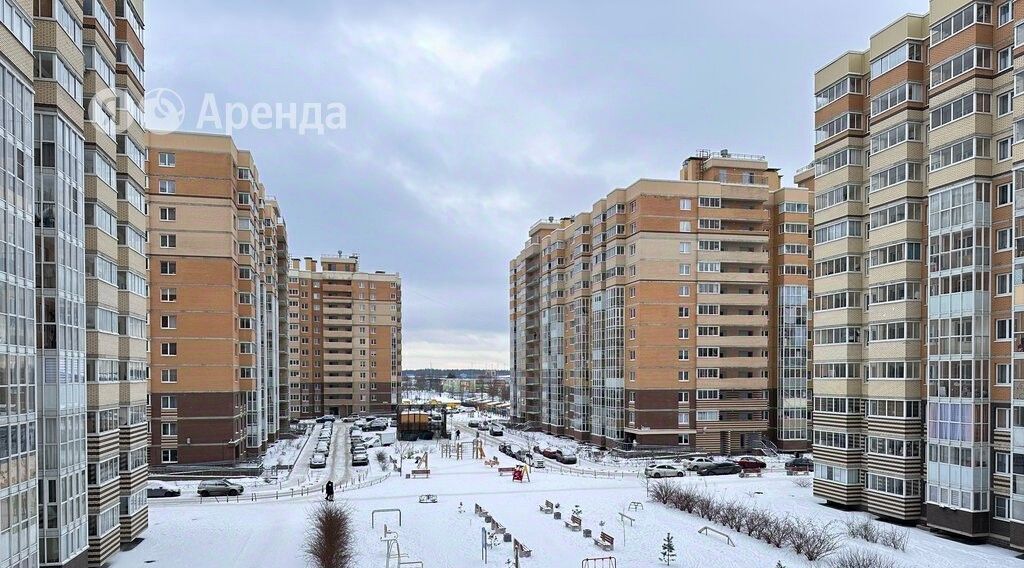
column 318, row 461
column 693, row 464
column 664, row 470
column 371, row 441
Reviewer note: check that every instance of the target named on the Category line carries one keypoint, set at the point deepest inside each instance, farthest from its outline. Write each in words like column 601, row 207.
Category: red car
column 748, row 462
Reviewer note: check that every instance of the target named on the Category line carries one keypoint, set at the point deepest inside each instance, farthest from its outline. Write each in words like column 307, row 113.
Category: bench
column 605, row 541
column 428, row 498
column 547, row 508
column 574, row 523
column 523, row 551
column 503, row 470
column 754, row 472
column 420, row 473
column 797, row 471
column 497, row 527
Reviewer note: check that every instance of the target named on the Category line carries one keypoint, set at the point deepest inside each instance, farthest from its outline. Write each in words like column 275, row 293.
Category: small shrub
column 382, row 460
column 777, row 531
column 895, row 538
column 755, row 522
column 815, row 541
column 802, row 482
column 862, row 528
column 854, row 558
column 329, row 542
column 663, row 491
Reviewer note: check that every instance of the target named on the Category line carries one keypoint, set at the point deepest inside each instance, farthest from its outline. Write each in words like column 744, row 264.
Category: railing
column 728, row 155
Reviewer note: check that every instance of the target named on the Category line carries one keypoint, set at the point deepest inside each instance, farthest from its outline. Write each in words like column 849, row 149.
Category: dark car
column 565, row 456
column 473, row 423
column 160, row 489
column 326, row 418
column 720, row 468
column 800, row 464
column 506, row 449
column 523, row 456
column 748, row 462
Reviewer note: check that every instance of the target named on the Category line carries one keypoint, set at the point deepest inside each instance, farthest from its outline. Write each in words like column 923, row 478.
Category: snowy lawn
column 270, row 534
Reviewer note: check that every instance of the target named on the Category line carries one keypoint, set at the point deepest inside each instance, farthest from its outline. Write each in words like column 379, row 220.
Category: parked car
column 325, row 435
column 360, row 459
column 720, row 468
column 497, row 430
column 219, row 487
column 693, row 464
column 506, row 449
column 160, row 489
column 564, row 437
column 473, row 423
column 565, row 456
column 482, row 426
column 664, row 470
column 747, row 462
column 358, row 449
column 327, row 418
column 377, row 425
column 318, row 461
column 524, row 456
column 360, row 423
column 549, row 452
column 323, row 448
column 350, row 418
column 800, row 464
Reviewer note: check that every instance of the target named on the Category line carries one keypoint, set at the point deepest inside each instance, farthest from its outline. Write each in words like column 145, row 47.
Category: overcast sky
column 468, row 121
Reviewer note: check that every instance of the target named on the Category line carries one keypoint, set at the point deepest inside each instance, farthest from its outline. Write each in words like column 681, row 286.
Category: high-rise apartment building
column 918, row 372
column 72, row 442
column 276, row 261
column 19, row 459
column 648, row 320
column 345, row 338
column 117, row 276
column 215, row 276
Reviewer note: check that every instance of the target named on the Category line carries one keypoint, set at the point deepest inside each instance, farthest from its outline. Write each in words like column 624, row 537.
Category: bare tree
column 382, row 460
column 329, row 539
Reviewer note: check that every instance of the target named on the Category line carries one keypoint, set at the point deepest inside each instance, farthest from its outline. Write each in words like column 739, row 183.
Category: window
column 168, row 294
column 684, row 227
column 168, row 402
column 168, row 186
column 169, row 456
column 840, row 159
column 1003, row 149
column 897, row 96
column 960, row 20
column 1004, row 329
column 958, row 152
column 685, row 205
column 168, row 214
column 836, row 126
column 961, row 107
column 909, row 51
column 1004, row 194
column 908, row 131
column 168, row 428
column 707, row 416
column 684, row 269
column 1004, row 375
column 1004, row 103
column 167, row 159
column 168, row 375
column 1004, row 284
column 835, row 196
column 51, row 66
column 837, row 90
column 975, row 57
column 907, row 171
column 1005, row 13
column 168, row 241
column 169, row 349
column 168, row 268
column 1004, row 59
column 169, row 322
column 1004, row 239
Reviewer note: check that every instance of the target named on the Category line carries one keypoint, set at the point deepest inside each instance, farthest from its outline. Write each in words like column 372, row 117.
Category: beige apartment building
column 345, row 338
column 653, row 319
column 214, row 242
column 918, row 357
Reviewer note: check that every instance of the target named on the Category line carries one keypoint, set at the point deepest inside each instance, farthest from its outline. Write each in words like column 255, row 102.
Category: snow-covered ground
column 244, row 534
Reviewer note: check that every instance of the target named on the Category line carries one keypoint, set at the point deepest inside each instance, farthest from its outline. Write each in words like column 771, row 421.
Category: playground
column 467, row 507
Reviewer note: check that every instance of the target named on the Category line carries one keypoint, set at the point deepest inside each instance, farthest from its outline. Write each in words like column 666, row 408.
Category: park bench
column 503, row 470
column 428, row 498
column 753, row 472
column 797, row 471
column 574, row 523
column 497, row 527
column 547, row 508
column 420, row 473
column 523, row 551
column 605, row 541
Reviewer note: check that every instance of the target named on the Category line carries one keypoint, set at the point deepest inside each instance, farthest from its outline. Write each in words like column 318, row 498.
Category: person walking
column 458, row 434
column 329, row 490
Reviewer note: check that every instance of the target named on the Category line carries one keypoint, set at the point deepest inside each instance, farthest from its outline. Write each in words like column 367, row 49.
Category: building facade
column 918, row 383
column 215, row 329
column 345, row 338
column 74, row 387
column 647, row 320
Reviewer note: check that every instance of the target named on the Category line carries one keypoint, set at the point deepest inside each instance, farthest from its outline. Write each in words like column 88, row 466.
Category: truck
column 387, row 437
